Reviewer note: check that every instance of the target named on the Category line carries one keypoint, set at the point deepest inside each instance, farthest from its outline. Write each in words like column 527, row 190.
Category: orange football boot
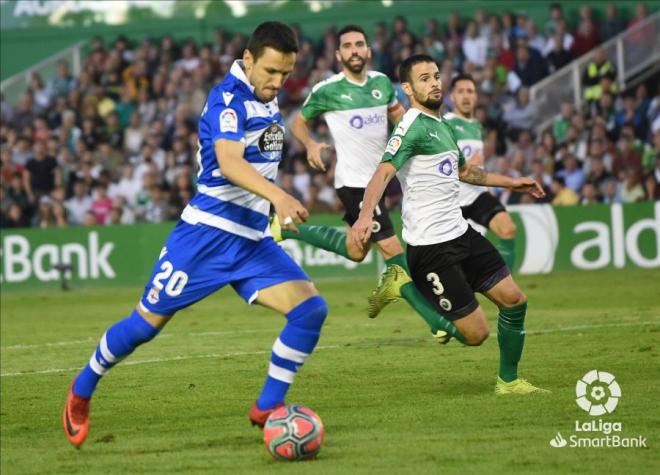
column 259, row 417
column 76, row 418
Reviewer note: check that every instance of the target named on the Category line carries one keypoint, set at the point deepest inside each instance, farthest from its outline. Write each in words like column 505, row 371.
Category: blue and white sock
column 118, row 342
column 295, row 343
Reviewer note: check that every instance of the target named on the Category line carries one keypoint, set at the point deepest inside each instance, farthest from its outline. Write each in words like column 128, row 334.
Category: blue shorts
column 198, row 259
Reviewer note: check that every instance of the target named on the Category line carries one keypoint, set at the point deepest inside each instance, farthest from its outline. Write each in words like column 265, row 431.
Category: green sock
column 419, row 303
column 511, row 338
column 324, row 237
column 507, row 249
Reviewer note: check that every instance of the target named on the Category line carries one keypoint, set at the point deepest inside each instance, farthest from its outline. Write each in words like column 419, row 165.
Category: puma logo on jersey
column 347, row 97
column 435, row 135
column 459, row 127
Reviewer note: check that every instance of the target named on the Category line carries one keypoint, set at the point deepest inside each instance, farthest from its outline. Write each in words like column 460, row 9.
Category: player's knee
column 508, row 230
column 357, row 255
column 310, row 314
column 476, row 337
column 514, row 299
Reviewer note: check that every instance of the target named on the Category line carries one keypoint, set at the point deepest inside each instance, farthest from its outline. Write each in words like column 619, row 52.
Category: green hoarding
column 549, row 239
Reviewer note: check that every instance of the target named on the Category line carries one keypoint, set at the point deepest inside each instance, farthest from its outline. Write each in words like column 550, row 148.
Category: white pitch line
column 589, row 327
column 29, row 346
column 323, row 347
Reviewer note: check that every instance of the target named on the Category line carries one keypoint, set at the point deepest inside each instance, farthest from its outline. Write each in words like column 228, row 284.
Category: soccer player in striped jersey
column 476, row 202
column 357, row 105
column 222, row 237
column 448, row 260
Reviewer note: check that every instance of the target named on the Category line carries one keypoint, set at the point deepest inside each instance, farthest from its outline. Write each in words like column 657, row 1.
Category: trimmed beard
column 432, row 104
column 354, row 69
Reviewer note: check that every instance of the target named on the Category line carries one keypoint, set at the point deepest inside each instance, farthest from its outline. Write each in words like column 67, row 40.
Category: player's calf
column 473, row 327
column 294, row 345
column 118, row 342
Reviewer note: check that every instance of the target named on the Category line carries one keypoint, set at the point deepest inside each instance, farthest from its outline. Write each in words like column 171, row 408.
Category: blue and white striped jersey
column 233, row 112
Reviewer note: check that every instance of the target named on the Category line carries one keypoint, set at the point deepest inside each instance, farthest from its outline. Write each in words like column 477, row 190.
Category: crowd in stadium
column 117, row 143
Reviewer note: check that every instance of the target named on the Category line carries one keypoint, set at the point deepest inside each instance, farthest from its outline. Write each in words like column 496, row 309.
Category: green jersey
column 357, row 117
column 468, row 135
column 424, row 151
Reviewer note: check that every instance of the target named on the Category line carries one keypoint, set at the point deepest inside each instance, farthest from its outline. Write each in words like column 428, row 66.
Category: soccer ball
column 293, row 432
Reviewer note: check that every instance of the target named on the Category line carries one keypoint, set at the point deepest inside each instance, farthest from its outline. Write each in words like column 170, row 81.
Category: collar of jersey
column 238, row 72
column 452, row 115
column 359, row 84
column 439, row 119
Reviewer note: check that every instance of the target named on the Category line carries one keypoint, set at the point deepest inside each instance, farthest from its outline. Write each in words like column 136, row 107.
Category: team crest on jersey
column 154, row 296
column 445, row 304
column 228, row 121
column 376, row 93
column 271, row 142
column 393, row 145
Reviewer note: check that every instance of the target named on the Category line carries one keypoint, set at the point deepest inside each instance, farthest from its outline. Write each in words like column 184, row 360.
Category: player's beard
column 354, row 68
column 432, row 104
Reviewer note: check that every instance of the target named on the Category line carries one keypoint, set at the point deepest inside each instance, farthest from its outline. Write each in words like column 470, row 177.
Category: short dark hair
column 408, row 63
column 349, row 29
column 272, row 34
column 462, row 77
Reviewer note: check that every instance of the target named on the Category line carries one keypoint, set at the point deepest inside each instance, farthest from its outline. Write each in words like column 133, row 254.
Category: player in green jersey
column 476, row 202
column 357, row 105
column 448, row 260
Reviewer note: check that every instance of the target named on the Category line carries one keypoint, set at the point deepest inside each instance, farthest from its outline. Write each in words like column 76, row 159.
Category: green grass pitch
column 392, row 400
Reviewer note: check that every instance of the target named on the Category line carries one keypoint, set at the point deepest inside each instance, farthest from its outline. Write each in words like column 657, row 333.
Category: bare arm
column 471, row 173
column 394, row 115
column 372, row 195
column 236, row 169
column 300, row 131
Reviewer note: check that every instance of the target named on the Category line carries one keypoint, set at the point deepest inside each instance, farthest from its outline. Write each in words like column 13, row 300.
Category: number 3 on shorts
column 438, row 289
column 177, row 279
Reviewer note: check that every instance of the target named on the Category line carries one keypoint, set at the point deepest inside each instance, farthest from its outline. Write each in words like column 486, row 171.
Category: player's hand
column 314, row 154
column 361, row 231
column 290, row 212
column 528, row 185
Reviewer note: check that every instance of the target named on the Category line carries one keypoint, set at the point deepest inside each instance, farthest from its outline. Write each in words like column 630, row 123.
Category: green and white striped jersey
column 469, row 137
column 424, row 151
column 357, row 117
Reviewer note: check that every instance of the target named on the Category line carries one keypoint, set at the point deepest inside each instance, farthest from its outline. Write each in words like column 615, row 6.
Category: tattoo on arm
column 475, row 175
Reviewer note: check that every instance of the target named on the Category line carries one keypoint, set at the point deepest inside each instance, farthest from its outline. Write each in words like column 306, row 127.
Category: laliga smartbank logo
column 598, row 394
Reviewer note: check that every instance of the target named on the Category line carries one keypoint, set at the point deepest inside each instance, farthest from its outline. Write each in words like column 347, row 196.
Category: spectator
column 599, row 76
column 563, row 196
column 63, row 82
column 530, row 68
column 563, row 121
column 78, row 204
column 42, row 172
column 14, row 218
column 586, row 33
column 522, row 114
column 571, row 174
column 102, row 204
column 613, row 24
column 558, row 57
column 632, row 190
column 626, row 157
column 474, row 45
column 589, row 194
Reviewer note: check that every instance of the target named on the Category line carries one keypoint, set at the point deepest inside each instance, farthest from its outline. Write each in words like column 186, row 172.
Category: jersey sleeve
column 314, row 105
column 399, row 149
column 227, row 122
column 392, row 101
column 461, row 157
